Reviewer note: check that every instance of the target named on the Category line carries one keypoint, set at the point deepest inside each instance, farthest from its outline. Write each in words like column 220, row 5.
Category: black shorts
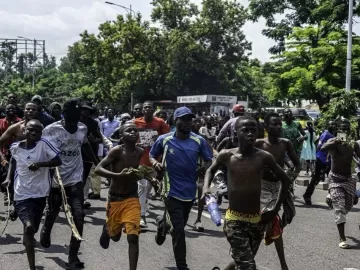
column 31, row 210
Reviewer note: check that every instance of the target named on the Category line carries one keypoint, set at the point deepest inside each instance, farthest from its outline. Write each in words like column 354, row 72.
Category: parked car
column 300, row 115
column 313, row 114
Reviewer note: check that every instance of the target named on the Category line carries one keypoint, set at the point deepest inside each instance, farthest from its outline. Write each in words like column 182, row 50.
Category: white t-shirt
column 208, row 133
column 71, row 170
column 29, row 184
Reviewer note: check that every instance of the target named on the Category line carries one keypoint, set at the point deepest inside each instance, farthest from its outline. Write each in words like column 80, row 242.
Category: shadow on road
column 207, row 232
column 9, row 240
column 54, row 249
column 58, row 261
column 95, row 221
column 20, row 252
column 356, row 241
column 315, row 206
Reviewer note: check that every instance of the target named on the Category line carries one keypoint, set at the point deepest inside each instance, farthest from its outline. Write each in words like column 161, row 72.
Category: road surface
column 311, row 242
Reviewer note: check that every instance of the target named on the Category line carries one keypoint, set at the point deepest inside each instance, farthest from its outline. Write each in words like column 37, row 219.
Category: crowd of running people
column 56, row 153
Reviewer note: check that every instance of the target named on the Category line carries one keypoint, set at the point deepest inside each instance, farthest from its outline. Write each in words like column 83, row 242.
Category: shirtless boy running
column 243, row 226
column 16, row 132
column 270, row 185
column 342, row 186
column 123, row 209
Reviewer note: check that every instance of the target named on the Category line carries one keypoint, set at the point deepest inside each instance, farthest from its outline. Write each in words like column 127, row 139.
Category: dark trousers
column 319, row 174
column 87, row 168
column 179, row 214
column 75, row 197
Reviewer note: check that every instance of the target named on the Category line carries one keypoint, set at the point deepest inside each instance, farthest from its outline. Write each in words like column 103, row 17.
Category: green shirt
column 291, row 132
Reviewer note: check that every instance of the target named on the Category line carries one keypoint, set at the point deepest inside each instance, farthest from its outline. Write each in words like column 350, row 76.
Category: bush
column 342, row 104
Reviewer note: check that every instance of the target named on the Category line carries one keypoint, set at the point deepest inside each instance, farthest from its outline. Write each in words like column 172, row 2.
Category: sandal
column 344, row 245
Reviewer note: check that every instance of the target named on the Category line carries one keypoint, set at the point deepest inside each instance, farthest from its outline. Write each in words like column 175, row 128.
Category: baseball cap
column 71, row 105
column 124, row 115
column 36, row 97
column 182, row 111
column 86, row 105
column 238, row 108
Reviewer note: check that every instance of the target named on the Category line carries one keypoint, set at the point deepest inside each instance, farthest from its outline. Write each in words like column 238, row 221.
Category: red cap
column 238, row 108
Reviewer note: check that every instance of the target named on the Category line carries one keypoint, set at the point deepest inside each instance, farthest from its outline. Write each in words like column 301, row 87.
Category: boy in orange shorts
column 123, row 207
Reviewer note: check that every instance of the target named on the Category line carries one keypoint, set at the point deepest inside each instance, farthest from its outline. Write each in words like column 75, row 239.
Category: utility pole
column 132, row 102
column 130, row 12
column 349, row 48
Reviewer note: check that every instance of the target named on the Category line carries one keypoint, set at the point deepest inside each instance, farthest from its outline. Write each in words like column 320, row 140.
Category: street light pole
column 128, row 10
column 349, row 48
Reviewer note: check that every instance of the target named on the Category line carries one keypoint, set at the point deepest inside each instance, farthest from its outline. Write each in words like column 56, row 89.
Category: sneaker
column 104, row 238
column 45, row 239
column 93, row 196
column 160, row 237
column 344, row 245
column 13, row 215
column 199, row 227
column 307, row 200
column 87, row 205
column 143, row 223
column 74, row 263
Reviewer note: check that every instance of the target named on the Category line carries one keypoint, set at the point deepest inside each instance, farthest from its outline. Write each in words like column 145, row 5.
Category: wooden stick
column 8, row 214
column 67, row 208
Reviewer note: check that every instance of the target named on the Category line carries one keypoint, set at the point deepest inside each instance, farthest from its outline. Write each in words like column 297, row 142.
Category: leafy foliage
column 298, row 13
column 313, row 66
column 342, row 104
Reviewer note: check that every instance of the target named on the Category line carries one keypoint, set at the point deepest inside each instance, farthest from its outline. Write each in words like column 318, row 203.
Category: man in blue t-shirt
column 322, row 161
column 184, row 150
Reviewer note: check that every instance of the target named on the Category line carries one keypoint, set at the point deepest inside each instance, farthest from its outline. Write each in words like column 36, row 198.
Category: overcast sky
column 60, row 22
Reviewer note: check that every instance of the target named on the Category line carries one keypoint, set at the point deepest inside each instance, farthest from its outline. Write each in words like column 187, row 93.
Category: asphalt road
column 311, row 243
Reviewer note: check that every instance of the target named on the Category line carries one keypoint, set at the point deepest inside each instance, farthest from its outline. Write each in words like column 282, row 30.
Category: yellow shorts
column 121, row 214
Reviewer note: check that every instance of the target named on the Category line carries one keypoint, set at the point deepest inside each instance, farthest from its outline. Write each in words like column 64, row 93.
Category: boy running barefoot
column 270, row 185
column 243, row 226
column 31, row 158
column 123, row 209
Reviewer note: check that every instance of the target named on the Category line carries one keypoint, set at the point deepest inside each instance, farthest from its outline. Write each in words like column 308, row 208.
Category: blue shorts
column 31, row 210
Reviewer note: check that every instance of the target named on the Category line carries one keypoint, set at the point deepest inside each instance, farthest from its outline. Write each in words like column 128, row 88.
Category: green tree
column 298, row 13
column 342, row 104
column 313, row 66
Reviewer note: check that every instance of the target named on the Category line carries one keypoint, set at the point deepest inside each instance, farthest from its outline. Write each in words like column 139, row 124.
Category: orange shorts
column 125, row 213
